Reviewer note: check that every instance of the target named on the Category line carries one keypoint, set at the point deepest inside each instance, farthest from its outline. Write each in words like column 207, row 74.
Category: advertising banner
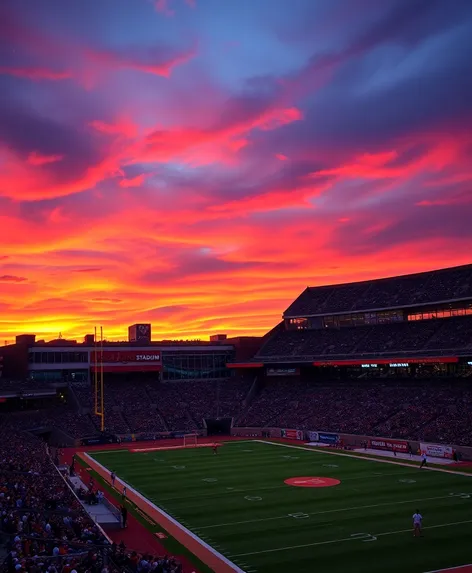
column 384, row 361
column 437, row 451
column 146, row 437
column 124, row 356
column 313, row 436
column 283, row 371
column 292, row 434
column 328, row 438
column 126, row 360
column 391, row 445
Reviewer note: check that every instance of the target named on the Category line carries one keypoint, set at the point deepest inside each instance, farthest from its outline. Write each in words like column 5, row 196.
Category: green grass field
column 238, row 503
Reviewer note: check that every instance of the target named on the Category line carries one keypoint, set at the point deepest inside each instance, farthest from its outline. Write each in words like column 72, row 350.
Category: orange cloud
column 254, row 198
column 11, row 279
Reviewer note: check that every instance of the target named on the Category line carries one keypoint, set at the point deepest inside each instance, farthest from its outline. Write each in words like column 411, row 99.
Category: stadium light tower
column 98, row 377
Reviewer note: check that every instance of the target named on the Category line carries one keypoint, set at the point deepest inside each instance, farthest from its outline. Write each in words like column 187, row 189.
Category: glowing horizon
column 196, row 167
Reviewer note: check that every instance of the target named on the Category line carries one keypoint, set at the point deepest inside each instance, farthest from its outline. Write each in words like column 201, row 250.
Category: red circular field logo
column 312, row 482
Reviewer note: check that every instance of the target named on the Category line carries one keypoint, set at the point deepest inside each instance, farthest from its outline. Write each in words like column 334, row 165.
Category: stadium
column 299, row 450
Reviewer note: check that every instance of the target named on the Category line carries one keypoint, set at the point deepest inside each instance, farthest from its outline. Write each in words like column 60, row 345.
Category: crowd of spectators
column 422, row 409
column 421, row 288
column 148, row 407
column 61, row 417
column 14, row 385
column 184, row 405
column 47, row 528
column 410, row 337
column 417, row 408
column 45, row 524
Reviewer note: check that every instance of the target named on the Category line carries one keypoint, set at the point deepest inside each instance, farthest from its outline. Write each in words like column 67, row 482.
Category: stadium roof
column 444, row 285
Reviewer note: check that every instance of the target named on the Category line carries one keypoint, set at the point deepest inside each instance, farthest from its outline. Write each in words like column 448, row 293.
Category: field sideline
column 238, row 504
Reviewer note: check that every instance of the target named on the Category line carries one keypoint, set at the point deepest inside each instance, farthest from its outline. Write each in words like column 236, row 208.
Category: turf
column 238, row 503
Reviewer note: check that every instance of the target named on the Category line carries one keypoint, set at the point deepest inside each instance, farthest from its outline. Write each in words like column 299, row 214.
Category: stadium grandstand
column 421, row 315
column 389, row 358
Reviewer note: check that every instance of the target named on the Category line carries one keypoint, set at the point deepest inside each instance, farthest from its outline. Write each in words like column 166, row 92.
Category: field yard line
column 327, row 511
column 450, row 568
column 342, row 454
column 106, row 472
column 347, row 539
column 237, row 490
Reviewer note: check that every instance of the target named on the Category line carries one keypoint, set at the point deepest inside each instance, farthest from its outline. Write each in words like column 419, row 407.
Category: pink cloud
column 35, row 74
column 134, row 181
column 122, row 127
column 154, row 62
column 37, row 159
column 162, row 6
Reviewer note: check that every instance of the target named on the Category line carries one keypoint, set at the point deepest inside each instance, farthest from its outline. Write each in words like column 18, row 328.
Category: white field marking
column 342, row 454
column 461, row 495
column 450, row 568
column 299, row 515
column 407, row 480
column 335, row 466
column 253, row 498
column 290, row 457
column 230, row 491
column 348, row 539
column 210, row 480
column 327, row 511
column 166, row 515
column 313, row 481
column 178, row 467
column 365, row 537
column 247, row 450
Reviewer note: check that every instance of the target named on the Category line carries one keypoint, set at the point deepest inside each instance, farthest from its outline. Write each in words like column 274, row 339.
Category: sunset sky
column 197, row 163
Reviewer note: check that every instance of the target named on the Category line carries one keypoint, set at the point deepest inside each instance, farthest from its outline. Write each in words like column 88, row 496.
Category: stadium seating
column 415, row 408
column 407, row 338
column 47, row 527
column 41, row 515
column 424, row 409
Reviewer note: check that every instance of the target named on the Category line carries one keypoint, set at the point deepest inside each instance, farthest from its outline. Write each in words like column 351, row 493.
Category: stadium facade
column 71, row 361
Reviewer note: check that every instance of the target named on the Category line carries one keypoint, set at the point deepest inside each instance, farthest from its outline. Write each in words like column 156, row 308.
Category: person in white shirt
column 417, row 523
column 424, row 460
